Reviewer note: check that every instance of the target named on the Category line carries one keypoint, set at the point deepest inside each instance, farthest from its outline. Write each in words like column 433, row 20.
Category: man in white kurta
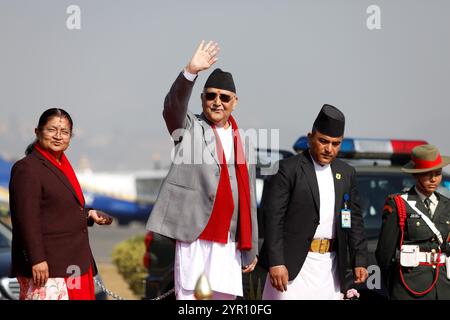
column 312, row 219
column 208, row 207
column 201, row 256
column 318, row 278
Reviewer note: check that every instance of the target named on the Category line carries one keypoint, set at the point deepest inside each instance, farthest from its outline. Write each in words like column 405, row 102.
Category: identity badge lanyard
column 346, row 214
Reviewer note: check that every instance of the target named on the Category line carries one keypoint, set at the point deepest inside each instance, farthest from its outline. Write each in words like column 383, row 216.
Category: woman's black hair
column 44, row 118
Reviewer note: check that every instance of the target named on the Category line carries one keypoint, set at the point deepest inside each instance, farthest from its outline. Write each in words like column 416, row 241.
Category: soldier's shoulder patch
column 391, row 197
column 390, row 203
column 388, row 208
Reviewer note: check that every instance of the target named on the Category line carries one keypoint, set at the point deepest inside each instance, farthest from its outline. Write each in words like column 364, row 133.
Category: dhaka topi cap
column 220, row 80
column 330, row 121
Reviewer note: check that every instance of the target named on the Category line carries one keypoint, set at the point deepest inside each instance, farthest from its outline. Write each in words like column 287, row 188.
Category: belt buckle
column 324, row 246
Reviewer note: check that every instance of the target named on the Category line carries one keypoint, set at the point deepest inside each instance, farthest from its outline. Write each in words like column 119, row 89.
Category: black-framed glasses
column 52, row 131
column 209, row 96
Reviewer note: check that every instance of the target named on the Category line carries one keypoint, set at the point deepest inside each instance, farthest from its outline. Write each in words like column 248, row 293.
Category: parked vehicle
column 377, row 164
column 9, row 287
column 127, row 196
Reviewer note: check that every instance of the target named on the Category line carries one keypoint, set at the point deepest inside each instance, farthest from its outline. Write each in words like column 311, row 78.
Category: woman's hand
column 40, row 273
column 100, row 217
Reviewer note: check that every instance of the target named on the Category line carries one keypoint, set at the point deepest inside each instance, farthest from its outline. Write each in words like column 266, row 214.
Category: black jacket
column 291, row 216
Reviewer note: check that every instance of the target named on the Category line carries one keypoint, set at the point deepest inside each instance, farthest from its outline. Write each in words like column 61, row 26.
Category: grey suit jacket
column 187, row 195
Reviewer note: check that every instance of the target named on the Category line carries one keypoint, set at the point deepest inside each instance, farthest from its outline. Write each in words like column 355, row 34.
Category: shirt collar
column 422, row 197
column 317, row 165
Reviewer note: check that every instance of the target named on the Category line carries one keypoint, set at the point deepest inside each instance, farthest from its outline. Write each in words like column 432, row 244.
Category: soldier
column 413, row 244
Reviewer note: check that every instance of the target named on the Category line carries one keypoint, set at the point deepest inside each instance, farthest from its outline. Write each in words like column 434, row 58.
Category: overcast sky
column 288, row 58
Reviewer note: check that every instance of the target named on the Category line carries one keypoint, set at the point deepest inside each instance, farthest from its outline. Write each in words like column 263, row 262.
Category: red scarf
column 82, row 287
column 219, row 222
column 65, row 168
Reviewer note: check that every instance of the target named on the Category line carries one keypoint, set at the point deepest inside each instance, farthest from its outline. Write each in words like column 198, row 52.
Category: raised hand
column 204, row 57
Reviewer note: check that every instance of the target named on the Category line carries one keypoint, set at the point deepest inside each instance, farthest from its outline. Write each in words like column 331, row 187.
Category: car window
column 444, row 188
column 373, row 190
column 267, row 161
column 5, row 237
column 4, row 243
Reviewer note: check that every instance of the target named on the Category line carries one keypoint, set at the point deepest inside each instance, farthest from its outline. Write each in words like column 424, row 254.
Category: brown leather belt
column 322, row 245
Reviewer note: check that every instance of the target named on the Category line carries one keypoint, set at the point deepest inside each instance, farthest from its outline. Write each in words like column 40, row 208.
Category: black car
column 9, row 287
column 378, row 175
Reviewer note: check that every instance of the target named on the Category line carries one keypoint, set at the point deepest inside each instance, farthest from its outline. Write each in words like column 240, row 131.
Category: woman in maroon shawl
column 51, row 256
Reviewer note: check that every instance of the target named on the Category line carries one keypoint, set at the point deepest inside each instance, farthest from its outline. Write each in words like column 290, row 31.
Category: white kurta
column 318, row 278
column 226, row 138
column 221, row 263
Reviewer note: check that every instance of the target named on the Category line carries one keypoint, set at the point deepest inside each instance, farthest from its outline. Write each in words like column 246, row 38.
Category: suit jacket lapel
column 413, row 196
column 58, row 173
column 311, row 178
column 338, row 188
column 210, row 140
